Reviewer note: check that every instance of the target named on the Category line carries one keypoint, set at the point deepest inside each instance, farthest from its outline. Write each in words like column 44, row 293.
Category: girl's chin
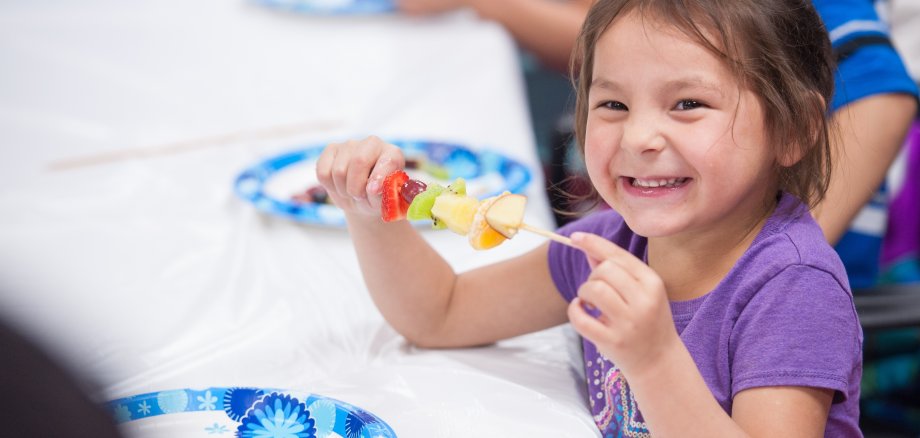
column 650, row 228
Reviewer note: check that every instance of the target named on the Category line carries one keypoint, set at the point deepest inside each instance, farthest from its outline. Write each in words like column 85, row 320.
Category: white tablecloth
column 144, row 272
column 905, row 32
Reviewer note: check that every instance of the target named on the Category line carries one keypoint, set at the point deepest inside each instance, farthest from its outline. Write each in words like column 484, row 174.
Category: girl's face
column 672, row 142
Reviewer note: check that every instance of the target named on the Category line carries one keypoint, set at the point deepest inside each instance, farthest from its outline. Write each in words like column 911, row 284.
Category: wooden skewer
column 190, row 145
column 548, row 234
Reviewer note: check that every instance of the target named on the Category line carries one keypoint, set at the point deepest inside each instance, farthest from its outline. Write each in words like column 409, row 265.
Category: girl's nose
column 642, row 133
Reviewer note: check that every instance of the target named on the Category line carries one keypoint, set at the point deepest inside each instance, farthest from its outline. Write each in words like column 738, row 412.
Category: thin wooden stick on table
column 193, row 144
column 548, row 234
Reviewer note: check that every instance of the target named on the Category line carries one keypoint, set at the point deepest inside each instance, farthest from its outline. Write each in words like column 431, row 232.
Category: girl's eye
column 687, row 104
column 613, row 105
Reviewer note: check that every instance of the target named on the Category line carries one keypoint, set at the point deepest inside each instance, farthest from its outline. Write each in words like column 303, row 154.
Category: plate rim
column 215, row 399
column 354, row 7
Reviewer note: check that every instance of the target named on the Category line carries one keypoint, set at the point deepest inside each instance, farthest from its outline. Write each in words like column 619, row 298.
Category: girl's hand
column 635, row 327
column 352, row 173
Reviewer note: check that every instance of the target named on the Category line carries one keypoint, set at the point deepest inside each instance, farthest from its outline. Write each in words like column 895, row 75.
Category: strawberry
column 393, row 206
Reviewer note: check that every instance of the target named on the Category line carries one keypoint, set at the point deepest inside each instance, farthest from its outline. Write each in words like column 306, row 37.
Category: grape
column 315, row 194
column 411, row 188
column 318, row 195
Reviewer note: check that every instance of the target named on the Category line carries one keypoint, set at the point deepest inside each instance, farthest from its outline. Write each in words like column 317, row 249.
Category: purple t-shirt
column 783, row 316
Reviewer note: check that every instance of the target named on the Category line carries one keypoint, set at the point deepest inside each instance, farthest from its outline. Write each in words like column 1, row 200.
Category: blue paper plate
column 244, row 412
column 270, row 184
column 333, row 7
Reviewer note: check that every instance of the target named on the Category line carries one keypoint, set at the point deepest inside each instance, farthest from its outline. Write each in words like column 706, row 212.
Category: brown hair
column 779, row 49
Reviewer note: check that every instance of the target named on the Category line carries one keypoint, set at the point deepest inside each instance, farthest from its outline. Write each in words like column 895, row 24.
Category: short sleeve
column 799, row 329
column 868, row 64
column 870, row 71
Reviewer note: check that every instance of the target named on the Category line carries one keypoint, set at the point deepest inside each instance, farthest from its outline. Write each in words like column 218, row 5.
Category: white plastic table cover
column 124, row 250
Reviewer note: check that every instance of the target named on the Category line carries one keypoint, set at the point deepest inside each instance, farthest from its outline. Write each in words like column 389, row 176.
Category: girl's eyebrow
column 598, row 82
column 693, row 82
column 673, row 86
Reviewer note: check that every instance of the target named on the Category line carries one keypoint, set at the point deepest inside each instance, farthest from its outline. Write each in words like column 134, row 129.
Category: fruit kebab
column 486, row 223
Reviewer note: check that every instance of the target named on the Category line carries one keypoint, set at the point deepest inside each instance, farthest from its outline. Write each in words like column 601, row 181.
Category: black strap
column 888, row 306
column 850, row 47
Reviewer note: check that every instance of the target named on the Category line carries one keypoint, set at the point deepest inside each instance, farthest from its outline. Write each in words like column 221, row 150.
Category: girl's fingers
column 615, row 278
column 324, row 165
column 389, row 160
column 362, row 159
column 587, row 325
column 331, row 171
column 370, row 160
column 627, row 273
column 353, row 172
column 600, row 295
column 339, row 168
column 596, row 248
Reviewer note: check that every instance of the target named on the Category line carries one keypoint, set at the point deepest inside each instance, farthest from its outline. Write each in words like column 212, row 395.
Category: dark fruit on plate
column 315, row 194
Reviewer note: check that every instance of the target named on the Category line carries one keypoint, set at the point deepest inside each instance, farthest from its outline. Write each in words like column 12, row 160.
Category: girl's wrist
column 671, row 356
column 362, row 219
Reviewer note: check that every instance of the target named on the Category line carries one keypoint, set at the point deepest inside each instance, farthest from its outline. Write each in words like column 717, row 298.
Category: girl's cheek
column 599, row 154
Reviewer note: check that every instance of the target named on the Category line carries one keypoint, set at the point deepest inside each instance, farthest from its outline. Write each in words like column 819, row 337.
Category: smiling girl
column 708, row 300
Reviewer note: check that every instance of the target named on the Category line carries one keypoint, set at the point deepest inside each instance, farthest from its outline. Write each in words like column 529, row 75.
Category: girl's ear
column 790, row 156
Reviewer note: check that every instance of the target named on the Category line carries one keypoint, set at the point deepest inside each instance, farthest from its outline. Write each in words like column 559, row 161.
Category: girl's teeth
column 673, row 182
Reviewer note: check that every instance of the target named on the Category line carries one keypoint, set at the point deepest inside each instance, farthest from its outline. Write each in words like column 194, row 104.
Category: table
column 125, row 252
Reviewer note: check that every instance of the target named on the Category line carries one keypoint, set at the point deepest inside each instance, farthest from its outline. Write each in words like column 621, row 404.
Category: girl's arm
column 424, row 300
column 675, row 401
column 415, row 289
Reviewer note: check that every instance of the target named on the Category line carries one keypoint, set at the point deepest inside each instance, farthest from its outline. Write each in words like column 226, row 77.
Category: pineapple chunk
column 506, row 214
column 455, row 211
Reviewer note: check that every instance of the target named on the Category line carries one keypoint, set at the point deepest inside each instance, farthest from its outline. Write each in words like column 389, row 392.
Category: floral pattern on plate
column 251, row 412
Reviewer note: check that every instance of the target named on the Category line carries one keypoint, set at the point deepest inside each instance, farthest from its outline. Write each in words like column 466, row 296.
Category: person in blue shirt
column 874, row 104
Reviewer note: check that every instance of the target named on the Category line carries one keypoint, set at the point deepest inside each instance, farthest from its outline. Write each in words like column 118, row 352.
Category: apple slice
column 507, row 214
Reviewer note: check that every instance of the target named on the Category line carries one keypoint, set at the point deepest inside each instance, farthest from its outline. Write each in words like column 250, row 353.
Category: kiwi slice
column 420, row 208
column 458, row 187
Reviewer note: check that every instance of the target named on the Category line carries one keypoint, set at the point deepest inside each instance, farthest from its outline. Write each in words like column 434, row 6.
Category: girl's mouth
column 654, row 183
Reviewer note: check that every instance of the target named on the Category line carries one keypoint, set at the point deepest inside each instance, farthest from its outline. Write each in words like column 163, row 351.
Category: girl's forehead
column 637, row 37
column 636, row 52
column 646, row 23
